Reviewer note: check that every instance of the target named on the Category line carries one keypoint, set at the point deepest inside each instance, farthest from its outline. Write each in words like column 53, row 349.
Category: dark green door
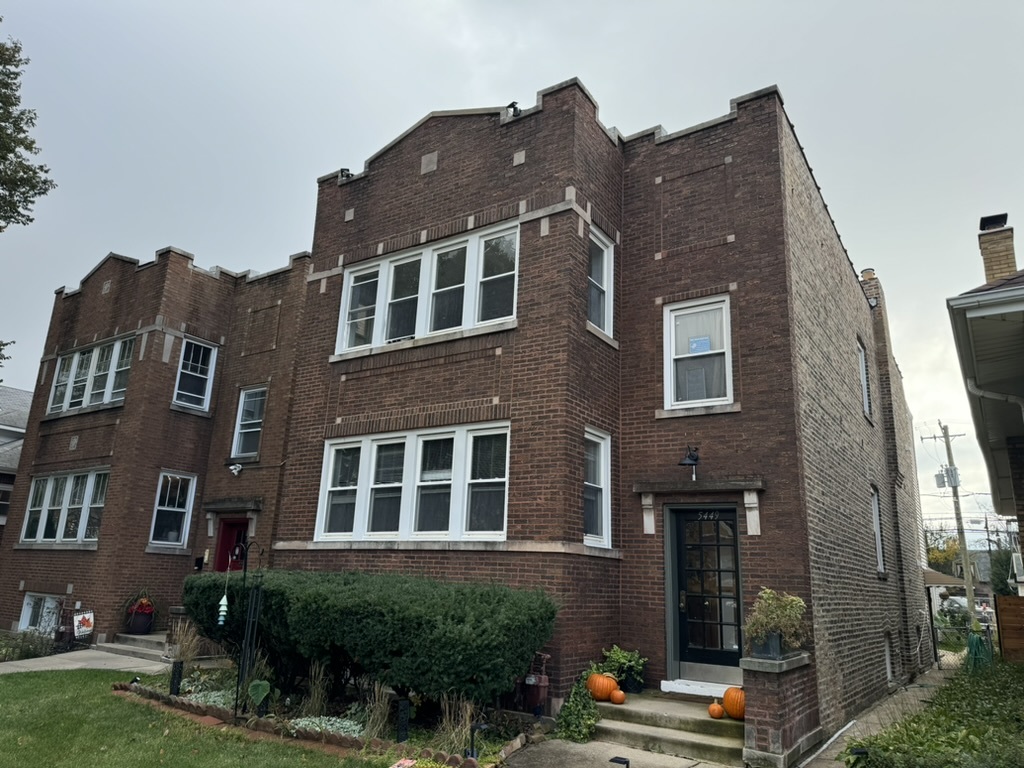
column 709, row 606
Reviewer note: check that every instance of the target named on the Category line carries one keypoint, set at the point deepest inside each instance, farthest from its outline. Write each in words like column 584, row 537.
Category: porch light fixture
column 691, row 459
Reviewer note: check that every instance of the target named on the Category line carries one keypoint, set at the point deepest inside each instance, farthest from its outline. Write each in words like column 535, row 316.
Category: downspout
column 973, row 388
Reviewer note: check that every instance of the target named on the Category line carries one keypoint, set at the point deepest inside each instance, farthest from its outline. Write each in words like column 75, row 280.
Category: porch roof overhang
column 933, row 578
column 988, row 329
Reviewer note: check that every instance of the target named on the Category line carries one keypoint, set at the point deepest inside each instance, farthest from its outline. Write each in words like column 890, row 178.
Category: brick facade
column 725, row 212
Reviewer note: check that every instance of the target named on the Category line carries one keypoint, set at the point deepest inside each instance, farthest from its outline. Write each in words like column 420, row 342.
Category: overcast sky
column 204, row 125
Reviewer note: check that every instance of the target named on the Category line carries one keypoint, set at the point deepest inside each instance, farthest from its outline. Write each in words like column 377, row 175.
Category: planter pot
column 632, row 684
column 769, row 648
column 139, row 623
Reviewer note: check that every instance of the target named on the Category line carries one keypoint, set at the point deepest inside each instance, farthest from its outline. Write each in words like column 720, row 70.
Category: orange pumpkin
column 735, row 702
column 601, row 686
column 617, row 696
column 716, row 710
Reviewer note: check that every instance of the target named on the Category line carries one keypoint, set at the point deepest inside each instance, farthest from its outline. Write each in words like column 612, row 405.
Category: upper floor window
column 6, row 488
column 66, row 508
column 865, row 378
column 599, row 281
column 195, row 375
column 876, row 520
column 439, row 484
column 457, row 284
column 698, row 353
column 92, row 376
column 597, row 508
column 249, row 423
column 173, row 511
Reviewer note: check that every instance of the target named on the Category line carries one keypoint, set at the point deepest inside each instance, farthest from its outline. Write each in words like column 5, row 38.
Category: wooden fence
column 1010, row 616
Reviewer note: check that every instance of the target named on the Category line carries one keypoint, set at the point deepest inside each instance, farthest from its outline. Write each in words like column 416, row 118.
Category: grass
column 70, row 719
column 974, row 721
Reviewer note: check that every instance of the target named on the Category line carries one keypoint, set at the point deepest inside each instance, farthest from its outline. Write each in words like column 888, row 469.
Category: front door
column 707, row 577
column 232, row 535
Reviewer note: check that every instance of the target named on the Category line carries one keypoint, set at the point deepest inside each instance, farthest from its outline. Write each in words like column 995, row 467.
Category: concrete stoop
column 150, row 647
column 671, row 726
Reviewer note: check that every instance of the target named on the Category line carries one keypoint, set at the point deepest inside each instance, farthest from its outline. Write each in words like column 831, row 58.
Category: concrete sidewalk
column 86, row 659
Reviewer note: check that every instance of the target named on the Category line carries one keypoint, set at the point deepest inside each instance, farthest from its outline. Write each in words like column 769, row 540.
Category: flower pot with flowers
column 140, row 613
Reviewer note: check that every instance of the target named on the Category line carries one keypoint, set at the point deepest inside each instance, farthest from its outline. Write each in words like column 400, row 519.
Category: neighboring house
column 988, row 327
column 14, row 405
column 512, row 328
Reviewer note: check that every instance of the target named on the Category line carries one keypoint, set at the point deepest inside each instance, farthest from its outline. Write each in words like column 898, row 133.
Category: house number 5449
column 707, row 514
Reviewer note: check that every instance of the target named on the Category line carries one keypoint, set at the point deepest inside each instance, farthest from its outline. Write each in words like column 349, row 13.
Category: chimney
column 996, row 243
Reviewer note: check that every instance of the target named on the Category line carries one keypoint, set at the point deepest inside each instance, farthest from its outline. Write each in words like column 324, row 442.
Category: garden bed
column 213, row 715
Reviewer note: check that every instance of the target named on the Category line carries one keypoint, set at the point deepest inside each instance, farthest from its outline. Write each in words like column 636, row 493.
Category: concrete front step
column 150, row 647
column 719, row 749
column 672, row 713
column 672, row 726
column 136, row 651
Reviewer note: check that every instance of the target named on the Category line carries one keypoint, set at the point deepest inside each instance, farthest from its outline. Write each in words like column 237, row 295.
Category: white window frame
column 603, row 443
column 97, row 385
column 246, row 427
column 607, row 285
column 462, row 449
column 876, row 522
column 865, row 377
column 186, row 510
column 49, row 613
column 473, row 288
column 211, row 369
column 49, row 498
column 670, row 311
column 6, row 489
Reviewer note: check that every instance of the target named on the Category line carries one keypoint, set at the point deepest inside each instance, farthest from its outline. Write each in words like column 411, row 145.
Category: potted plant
column 775, row 624
column 140, row 613
column 626, row 666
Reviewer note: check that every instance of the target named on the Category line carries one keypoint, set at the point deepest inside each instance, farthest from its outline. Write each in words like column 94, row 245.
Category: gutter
column 973, row 388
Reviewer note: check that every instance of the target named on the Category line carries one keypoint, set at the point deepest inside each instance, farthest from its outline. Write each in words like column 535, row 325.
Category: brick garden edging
column 266, row 725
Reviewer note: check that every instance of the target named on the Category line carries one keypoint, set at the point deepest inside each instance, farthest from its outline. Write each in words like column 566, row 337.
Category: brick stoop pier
column 782, row 722
column 671, row 725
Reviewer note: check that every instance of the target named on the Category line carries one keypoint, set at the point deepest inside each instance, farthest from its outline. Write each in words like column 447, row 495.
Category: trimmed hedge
column 412, row 633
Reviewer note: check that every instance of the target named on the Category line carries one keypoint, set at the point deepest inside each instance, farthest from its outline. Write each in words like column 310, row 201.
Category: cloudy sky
column 205, row 124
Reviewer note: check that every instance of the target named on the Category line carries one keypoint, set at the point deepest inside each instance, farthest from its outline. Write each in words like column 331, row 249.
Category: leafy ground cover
column 68, row 719
column 974, row 721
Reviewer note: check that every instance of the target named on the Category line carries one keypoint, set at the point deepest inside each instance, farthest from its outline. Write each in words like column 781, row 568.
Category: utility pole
column 953, row 477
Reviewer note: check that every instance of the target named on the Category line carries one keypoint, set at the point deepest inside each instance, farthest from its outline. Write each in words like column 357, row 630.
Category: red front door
column 230, row 539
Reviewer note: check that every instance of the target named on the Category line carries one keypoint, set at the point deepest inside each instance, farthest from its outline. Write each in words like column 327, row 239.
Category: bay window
column 66, row 508
column 457, row 284
column 440, row 484
column 92, row 376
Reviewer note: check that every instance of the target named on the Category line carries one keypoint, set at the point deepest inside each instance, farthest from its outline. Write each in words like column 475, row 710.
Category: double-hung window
column 173, row 511
column 195, row 375
column 865, row 378
column 438, row 484
column 249, row 425
column 599, row 282
column 457, row 284
column 596, row 491
column 66, row 508
column 92, row 376
column 698, row 354
column 876, row 521
column 6, row 488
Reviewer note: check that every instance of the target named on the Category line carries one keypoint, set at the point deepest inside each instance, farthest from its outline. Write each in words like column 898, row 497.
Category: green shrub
column 577, row 719
column 413, row 633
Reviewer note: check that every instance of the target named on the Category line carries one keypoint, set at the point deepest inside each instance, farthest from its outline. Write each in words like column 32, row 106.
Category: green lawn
column 71, row 719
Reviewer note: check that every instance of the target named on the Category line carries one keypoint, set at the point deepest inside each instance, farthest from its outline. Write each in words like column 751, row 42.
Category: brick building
column 513, row 326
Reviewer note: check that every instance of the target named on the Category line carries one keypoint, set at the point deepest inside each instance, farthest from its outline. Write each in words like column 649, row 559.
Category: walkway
column 87, row 659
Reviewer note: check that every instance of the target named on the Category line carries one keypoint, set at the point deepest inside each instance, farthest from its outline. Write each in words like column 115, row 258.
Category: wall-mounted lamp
column 514, row 109
column 691, row 459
